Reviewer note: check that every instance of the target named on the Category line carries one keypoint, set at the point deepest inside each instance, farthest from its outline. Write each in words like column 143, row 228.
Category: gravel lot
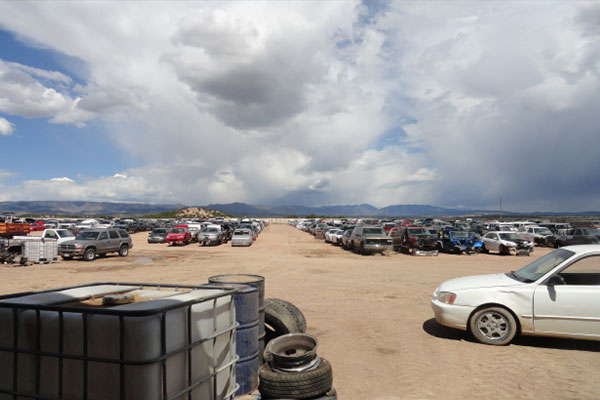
column 371, row 315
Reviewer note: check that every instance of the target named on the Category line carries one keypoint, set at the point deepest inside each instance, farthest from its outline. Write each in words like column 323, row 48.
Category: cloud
column 22, row 94
column 323, row 102
column 6, row 127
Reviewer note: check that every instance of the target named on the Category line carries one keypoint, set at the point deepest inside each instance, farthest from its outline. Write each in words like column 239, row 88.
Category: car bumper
column 377, row 247
column 450, row 315
column 241, row 242
column 151, row 240
column 71, row 252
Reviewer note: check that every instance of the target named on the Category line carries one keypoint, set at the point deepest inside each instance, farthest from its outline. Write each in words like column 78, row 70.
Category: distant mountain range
column 83, row 208
column 90, row 208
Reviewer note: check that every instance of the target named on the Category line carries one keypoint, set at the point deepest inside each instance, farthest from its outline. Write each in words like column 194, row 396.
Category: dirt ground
column 371, row 315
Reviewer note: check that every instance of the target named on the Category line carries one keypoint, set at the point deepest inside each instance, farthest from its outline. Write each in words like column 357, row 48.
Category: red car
column 178, row 236
column 37, row 226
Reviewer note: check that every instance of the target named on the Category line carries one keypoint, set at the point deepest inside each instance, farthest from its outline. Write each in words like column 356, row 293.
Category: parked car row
column 427, row 237
column 209, row 233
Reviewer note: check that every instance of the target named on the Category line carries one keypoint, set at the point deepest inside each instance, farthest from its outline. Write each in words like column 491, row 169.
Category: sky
column 446, row 103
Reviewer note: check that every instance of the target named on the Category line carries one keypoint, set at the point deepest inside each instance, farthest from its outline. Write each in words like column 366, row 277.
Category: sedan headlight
column 446, row 297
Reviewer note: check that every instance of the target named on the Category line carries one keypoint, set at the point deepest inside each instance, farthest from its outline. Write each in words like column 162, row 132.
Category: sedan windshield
column 415, row 232
column 540, row 267
column 509, row 236
column 87, row 236
column 543, row 231
column 178, row 230
column 159, row 231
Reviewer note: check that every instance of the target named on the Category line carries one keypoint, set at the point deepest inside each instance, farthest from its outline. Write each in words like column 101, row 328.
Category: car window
column 123, row 233
column 113, row 234
column 540, row 267
column 50, row 234
column 103, row 236
column 585, row 271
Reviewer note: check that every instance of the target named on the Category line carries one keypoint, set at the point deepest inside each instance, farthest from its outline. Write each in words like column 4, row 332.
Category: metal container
column 146, row 342
column 259, row 282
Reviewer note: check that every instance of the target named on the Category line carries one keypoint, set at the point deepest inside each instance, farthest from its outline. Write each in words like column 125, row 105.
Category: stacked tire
column 293, row 370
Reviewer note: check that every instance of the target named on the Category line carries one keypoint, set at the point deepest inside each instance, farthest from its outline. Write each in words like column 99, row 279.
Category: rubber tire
column 69, row 257
column 502, row 250
column 124, row 250
column 298, row 385
column 282, row 317
column 268, row 357
column 330, row 395
column 89, row 255
column 484, row 250
column 294, row 311
column 511, row 330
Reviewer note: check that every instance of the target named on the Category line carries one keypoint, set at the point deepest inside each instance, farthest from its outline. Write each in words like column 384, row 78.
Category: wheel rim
column 493, row 325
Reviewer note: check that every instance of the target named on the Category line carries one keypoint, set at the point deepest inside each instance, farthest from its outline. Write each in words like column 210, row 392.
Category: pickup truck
column 88, row 244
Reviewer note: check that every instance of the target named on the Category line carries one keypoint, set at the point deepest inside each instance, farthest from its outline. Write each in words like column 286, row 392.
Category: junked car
column 178, row 236
column 459, row 241
column 242, row 237
column 539, row 235
column 575, row 236
column 210, row 235
column 506, row 243
column 368, row 239
column 414, row 240
column 158, row 235
column 555, row 295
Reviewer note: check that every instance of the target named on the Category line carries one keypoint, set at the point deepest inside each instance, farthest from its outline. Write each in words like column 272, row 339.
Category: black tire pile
column 292, row 368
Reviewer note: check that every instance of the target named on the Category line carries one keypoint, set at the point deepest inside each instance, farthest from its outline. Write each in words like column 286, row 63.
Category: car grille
column 67, row 247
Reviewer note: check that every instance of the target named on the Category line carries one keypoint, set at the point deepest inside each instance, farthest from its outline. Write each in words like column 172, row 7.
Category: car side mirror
column 556, row 280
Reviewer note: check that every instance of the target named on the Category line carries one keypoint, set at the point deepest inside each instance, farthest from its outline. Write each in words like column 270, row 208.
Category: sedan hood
column 479, row 281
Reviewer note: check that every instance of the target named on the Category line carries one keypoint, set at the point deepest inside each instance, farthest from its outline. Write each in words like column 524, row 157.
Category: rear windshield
column 373, row 231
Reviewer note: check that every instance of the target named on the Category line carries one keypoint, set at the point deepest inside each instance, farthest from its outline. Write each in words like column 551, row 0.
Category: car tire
column 502, row 250
column 89, row 255
column 297, row 385
column 282, row 317
column 484, row 250
column 124, row 250
column 493, row 325
column 65, row 257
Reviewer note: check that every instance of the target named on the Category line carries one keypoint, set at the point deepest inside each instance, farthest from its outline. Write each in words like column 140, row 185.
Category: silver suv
column 88, row 244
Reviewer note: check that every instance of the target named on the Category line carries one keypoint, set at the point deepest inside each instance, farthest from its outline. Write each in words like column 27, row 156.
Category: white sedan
column 555, row 295
column 506, row 243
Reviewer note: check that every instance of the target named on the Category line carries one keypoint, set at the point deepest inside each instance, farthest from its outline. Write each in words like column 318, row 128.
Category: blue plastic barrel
column 246, row 302
column 259, row 282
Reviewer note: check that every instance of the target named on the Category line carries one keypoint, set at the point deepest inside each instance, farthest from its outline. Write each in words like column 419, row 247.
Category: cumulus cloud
column 22, row 93
column 323, row 102
column 6, row 127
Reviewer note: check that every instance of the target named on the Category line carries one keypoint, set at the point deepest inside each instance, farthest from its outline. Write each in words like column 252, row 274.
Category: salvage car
column 458, row 242
column 539, row 235
column 414, row 240
column 575, row 236
column 506, row 243
column 210, row 235
column 368, row 239
column 178, row 236
column 90, row 243
column 242, row 237
column 158, row 235
column 555, row 295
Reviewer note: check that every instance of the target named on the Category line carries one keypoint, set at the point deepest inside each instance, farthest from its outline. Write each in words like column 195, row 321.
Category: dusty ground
column 371, row 315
